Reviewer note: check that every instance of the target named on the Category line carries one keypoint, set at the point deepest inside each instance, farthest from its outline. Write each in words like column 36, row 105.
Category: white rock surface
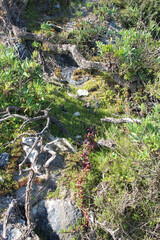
column 76, row 114
column 82, row 93
column 61, row 145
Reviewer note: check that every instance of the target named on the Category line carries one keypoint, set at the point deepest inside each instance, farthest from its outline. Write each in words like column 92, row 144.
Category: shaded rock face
column 23, row 51
column 16, row 231
column 67, row 65
column 4, row 159
column 54, row 215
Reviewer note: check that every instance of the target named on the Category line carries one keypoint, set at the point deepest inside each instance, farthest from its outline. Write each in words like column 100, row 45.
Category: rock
column 39, row 191
column 57, row 5
column 4, row 203
column 54, row 215
column 76, row 114
column 29, row 141
column 4, row 159
column 61, row 145
column 1, row 179
column 27, row 146
column 14, row 232
column 23, row 51
column 82, row 93
column 78, row 137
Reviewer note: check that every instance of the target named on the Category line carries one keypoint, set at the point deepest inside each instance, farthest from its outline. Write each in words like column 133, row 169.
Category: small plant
column 46, row 26
column 85, row 164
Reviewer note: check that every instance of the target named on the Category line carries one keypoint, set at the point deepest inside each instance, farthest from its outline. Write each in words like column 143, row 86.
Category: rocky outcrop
column 54, row 215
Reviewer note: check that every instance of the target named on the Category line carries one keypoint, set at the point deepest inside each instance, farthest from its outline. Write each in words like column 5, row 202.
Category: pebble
column 82, row 92
column 76, row 114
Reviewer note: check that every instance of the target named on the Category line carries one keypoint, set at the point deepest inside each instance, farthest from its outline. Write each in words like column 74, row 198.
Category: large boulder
column 54, row 215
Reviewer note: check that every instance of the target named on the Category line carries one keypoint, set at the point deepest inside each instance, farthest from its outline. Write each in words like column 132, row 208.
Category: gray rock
column 1, row 179
column 27, row 146
column 78, row 137
column 57, row 5
column 4, row 159
column 29, row 141
column 54, row 215
column 61, row 145
column 76, row 114
column 38, row 193
column 14, row 232
column 82, row 93
column 23, row 52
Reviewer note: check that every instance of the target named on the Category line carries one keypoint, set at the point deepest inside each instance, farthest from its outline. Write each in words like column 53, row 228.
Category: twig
column 120, row 120
column 111, row 232
column 11, row 206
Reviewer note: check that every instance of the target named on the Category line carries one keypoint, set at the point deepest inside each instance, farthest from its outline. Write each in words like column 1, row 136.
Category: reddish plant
column 87, row 147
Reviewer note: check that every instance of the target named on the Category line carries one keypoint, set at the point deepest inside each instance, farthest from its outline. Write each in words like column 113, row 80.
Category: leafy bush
column 148, row 132
column 135, row 11
column 135, row 54
column 130, row 177
column 20, row 81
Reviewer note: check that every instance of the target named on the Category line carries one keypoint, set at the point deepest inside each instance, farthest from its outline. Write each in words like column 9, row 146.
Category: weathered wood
column 120, row 120
column 5, row 221
column 105, row 143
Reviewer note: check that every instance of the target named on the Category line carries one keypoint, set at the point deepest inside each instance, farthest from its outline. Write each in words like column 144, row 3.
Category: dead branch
column 13, row 115
column 59, row 124
column 6, row 114
column 46, row 166
column 54, row 82
column 120, row 120
column 7, row 214
column 28, row 211
column 111, row 232
column 23, row 162
column 105, row 143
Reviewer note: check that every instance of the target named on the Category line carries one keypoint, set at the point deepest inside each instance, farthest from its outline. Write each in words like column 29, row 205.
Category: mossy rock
column 58, row 73
column 79, row 74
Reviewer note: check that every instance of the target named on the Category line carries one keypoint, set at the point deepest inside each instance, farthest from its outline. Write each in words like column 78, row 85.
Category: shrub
column 20, row 81
column 135, row 54
column 135, row 11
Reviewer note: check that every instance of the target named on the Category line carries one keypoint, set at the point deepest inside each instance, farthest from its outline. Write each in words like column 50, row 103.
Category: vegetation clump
column 116, row 188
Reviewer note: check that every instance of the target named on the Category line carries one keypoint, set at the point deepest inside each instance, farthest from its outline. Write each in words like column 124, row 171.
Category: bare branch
column 13, row 115
column 46, row 166
column 7, row 214
column 111, row 232
column 22, row 163
column 121, row 120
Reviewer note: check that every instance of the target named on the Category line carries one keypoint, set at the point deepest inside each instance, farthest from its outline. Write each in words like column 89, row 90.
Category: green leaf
column 26, row 74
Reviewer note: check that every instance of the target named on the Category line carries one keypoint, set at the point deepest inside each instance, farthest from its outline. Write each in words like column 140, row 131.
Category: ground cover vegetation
column 117, row 188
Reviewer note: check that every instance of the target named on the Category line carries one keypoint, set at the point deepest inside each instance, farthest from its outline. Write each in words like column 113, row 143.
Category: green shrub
column 20, row 81
column 134, row 12
column 135, row 54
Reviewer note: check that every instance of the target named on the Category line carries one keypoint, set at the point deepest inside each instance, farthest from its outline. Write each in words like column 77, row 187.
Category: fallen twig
column 120, row 120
